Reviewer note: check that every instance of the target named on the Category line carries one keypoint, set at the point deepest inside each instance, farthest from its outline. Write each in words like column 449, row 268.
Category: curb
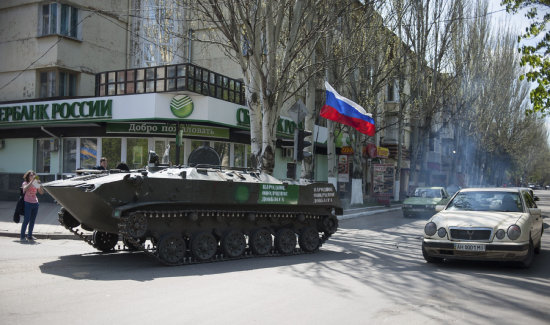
column 40, row 236
column 366, row 213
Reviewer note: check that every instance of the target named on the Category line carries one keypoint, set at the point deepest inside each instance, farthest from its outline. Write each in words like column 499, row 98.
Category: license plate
column 470, row 247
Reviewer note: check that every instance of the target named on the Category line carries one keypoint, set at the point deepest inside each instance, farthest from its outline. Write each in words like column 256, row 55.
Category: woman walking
column 31, row 185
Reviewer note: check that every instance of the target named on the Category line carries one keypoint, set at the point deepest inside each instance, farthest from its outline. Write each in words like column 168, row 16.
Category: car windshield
column 486, row 201
column 427, row 192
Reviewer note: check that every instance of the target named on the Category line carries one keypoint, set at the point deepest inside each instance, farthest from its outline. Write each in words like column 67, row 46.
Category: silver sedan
column 499, row 224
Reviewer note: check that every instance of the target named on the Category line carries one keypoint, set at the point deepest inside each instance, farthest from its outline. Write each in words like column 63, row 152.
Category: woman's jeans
column 31, row 210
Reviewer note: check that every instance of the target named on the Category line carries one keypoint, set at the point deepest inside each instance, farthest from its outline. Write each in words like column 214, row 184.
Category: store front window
column 222, row 148
column 110, row 149
column 240, row 155
column 162, row 149
column 84, row 153
column 43, row 161
column 173, row 153
column 195, row 144
column 161, row 145
column 69, row 155
column 137, row 153
column 88, row 153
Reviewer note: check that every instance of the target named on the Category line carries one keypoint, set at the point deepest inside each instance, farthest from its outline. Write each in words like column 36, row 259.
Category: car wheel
column 428, row 258
column 539, row 246
column 528, row 260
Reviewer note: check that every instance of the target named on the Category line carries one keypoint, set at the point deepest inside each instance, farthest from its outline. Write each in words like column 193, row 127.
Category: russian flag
column 345, row 111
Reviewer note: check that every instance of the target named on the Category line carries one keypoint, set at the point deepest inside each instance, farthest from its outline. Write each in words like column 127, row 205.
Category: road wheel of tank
column 309, row 239
column 131, row 246
column 203, row 246
column 330, row 224
column 105, row 241
column 233, row 243
column 66, row 219
column 285, row 241
column 260, row 241
column 171, row 249
column 136, row 225
column 154, row 241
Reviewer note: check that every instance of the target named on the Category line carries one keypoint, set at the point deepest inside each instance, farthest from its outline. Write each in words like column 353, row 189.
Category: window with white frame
column 54, row 83
column 392, row 130
column 59, row 19
column 392, row 92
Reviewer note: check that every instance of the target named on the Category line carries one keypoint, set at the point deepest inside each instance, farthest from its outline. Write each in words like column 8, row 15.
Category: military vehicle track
column 173, row 248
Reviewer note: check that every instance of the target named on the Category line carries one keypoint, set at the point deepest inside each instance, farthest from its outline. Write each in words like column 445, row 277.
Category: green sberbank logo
column 181, row 106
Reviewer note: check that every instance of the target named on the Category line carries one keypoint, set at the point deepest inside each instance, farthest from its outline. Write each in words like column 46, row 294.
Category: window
column 67, row 84
column 173, row 153
column 88, row 153
column 170, row 78
column 110, row 149
column 529, row 201
column 57, row 83
column 392, row 130
column 240, row 155
column 59, row 19
column 47, row 84
column 392, row 94
column 43, row 162
column 222, row 148
column 69, row 155
column 137, row 153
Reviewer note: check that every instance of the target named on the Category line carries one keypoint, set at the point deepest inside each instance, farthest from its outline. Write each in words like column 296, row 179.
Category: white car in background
column 499, row 224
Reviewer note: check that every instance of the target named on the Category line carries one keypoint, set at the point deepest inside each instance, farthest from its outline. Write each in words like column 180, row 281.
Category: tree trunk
column 357, row 174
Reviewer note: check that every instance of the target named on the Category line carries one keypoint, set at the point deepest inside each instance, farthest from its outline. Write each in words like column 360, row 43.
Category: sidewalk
column 47, row 226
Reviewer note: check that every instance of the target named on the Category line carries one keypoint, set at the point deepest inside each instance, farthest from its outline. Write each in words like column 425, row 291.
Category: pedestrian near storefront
column 31, row 186
column 102, row 164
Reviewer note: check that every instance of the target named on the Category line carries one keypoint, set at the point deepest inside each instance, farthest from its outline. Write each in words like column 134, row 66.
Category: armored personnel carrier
column 197, row 214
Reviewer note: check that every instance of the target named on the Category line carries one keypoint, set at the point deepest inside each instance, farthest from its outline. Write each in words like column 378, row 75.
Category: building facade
column 74, row 89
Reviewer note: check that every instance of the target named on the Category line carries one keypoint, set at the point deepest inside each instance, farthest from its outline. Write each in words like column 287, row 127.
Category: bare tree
column 495, row 142
column 360, row 42
column 270, row 40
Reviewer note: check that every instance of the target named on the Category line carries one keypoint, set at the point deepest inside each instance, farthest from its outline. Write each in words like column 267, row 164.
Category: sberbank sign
column 284, row 126
column 91, row 109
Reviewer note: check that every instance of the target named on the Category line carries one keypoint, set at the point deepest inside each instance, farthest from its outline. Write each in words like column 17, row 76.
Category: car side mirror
column 534, row 211
column 439, row 208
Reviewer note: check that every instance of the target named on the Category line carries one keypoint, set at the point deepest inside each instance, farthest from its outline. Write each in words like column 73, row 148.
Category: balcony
column 170, row 78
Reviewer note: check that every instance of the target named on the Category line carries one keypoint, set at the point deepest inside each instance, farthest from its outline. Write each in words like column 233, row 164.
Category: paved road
column 370, row 272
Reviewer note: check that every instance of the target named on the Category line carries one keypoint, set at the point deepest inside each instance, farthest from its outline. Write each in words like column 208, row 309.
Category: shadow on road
column 381, row 253
column 391, row 262
column 140, row 267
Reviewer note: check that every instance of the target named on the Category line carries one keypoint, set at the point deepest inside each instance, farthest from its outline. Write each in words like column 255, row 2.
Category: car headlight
column 430, row 229
column 441, row 232
column 500, row 233
column 514, row 231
